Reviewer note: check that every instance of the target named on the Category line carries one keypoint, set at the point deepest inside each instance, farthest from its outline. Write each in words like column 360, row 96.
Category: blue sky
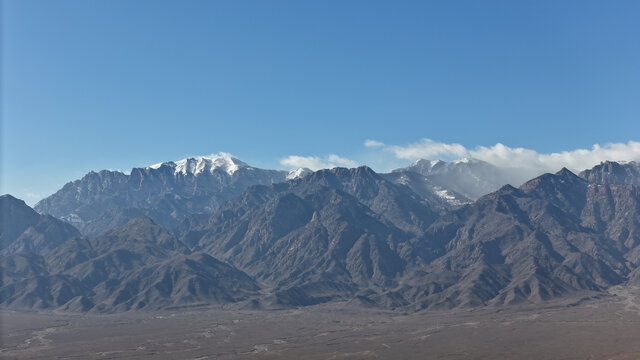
column 90, row 85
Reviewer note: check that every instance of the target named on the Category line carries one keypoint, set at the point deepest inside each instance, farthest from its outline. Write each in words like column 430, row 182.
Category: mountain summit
column 201, row 164
column 452, row 183
column 610, row 172
column 166, row 192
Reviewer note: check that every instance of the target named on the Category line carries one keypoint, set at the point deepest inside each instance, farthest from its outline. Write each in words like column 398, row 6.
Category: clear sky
column 90, row 85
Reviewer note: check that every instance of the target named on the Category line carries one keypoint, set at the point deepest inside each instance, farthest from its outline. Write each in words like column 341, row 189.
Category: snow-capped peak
column 425, row 165
column 462, row 161
column 199, row 164
column 300, row 172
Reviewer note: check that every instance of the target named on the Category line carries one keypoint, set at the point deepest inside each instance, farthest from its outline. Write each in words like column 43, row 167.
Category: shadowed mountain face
column 137, row 266
column 397, row 204
column 340, row 234
column 24, row 230
column 167, row 192
column 555, row 235
column 544, row 240
column 328, row 235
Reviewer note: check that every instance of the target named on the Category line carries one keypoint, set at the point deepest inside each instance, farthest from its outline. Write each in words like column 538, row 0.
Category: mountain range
column 170, row 192
column 167, row 192
column 215, row 231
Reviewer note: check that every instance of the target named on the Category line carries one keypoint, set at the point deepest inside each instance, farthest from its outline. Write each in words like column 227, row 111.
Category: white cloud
column 373, row 144
column 426, row 149
column 317, row 163
column 527, row 162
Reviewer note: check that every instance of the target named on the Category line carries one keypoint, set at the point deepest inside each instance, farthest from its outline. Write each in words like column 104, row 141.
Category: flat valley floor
column 604, row 327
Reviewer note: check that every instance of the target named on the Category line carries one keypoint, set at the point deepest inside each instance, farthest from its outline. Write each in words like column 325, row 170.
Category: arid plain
column 588, row 327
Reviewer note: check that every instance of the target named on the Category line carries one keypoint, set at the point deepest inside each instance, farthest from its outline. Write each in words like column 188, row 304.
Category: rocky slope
column 137, row 266
column 330, row 235
column 555, row 235
column 24, row 230
column 610, row 172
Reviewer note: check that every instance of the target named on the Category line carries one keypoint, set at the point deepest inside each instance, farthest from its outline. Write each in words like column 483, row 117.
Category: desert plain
column 593, row 326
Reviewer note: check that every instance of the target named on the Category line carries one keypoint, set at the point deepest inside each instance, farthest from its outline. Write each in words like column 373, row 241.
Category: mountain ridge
column 171, row 191
column 338, row 235
column 167, row 192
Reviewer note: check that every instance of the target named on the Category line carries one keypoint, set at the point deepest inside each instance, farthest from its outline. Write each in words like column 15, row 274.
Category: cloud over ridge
column 316, row 162
column 527, row 162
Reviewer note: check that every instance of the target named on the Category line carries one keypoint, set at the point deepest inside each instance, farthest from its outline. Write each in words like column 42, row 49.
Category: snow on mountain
column 300, row 172
column 166, row 192
column 199, row 164
column 422, row 185
column 469, row 177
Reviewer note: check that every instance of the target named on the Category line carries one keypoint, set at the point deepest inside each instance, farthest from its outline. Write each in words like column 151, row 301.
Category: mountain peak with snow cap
column 297, row 173
column 199, row 164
